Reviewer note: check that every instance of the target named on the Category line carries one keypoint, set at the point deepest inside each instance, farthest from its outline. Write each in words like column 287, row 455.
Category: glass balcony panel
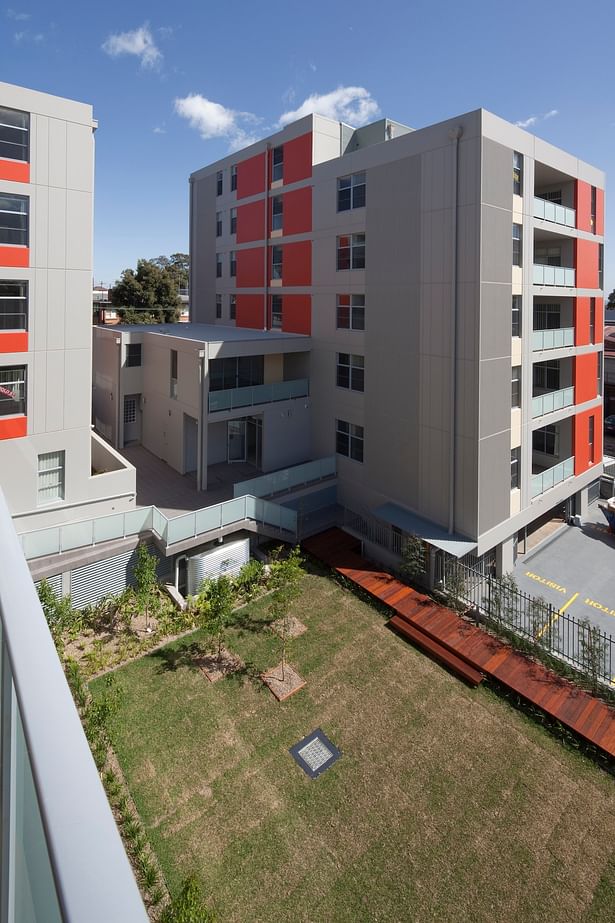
column 136, row 521
column 551, row 477
column 553, row 275
column 236, row 398
column 233, row 511
column 549, row 211
column 536, row 485
column 108, row 528
column 180, row 528
column 552, row 400
column 287, row 478
column 569, row 277
column 208, row 519
column 77, row 534
column 159, row 522
column 539, row 208
column 571, row 218
column 37, row 544
column 560, row 214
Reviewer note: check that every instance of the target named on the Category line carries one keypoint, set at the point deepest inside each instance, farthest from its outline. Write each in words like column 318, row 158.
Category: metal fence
column 500, row 602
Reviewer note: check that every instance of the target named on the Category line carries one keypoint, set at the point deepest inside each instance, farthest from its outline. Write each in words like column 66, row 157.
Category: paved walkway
column 579, row 711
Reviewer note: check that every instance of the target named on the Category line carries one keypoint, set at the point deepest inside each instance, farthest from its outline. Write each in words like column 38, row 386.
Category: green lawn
column 447, row 804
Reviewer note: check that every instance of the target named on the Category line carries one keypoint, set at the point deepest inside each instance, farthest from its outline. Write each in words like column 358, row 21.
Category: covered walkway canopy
column 412, row 524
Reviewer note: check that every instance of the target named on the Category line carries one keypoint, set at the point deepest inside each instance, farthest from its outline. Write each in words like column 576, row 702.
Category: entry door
column 132, row 419
column 236, row 440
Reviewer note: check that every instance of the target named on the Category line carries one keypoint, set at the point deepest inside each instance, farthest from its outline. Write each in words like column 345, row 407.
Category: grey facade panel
column 496, row 236
column 496, row 321
column 497, row 174
column 494, row 489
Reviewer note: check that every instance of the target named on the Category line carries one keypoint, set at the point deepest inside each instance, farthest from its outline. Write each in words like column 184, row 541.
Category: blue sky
column 175, row 85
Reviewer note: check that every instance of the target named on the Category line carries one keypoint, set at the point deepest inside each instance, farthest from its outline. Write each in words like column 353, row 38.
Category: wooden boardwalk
column 577, row 710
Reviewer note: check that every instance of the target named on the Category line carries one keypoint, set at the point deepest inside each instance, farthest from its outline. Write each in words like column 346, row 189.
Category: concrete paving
column 575, row 571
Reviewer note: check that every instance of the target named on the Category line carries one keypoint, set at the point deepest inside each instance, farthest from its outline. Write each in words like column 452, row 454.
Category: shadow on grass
column 172, row 659
column 246, row 621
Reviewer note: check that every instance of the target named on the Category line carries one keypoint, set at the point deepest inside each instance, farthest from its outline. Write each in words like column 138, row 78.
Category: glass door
column 236, row 440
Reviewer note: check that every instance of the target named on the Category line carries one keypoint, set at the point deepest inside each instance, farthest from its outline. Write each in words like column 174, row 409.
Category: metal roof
column 433, row 534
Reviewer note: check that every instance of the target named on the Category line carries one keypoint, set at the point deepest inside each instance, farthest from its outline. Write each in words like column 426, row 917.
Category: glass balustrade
column 552, row 339
column 268, row 484
column 552, row 400
column 552, row 476
column 562, row 276
column 558, row 214
column 236, row 398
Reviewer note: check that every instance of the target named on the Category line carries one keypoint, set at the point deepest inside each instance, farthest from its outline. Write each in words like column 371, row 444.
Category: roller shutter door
column 90, row 583
column 54, row 582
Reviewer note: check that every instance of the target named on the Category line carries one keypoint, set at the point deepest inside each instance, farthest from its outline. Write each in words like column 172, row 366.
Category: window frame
column 6, row 227
column 277, row 265
column 546, row 434
column 233, row 264
column 7, row 126
column 354, row 309
column 218, row 265
column 218, row 307
column 232, row 307
column 348, row 253
column 218, row 224
column 517, row 315
column 233, row 177
column 233, row 225
column 56, row 469
column 277, row 164
column 516, row 387
column 515, row 468
column 18, row 379
column 277, row 217
column 351, row 191
column 517, row 173
column 276, row 315
column 350, row 371
column 219, row 182
column 8, row 298
column 350, row 440
column 173, row 373
column 137, row 350
column 517, row 244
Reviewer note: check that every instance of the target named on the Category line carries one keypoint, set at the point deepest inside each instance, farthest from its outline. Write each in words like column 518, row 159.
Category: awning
column 430, row 532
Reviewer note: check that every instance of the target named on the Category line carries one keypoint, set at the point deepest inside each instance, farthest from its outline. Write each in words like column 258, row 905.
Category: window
column 351, row 312
column 546, row 375
column 349, row 440
column 233, row 177
column 516, row 315
column 592, row 441
column 173, row 376
column 236, row 372
column 13, row 305
column 218, row 265
column 14, row 134
column 50, row 485
column 600, row 264
column 233, row 220
column 13, row 391
column 546, row 440
column 278, row 163
column 599, row 374
column 218, row 224
column 219, row 182
column 277, row 213
column 548, row 256
column 351, row 192
column 547, row 315
column 133, row 355
column 14, row 220
column 592, row 320
column 233, row 264
column 218, row 307
column 350, row 372
column 276, row 262
column 517, row 173
column 515, row 468
column 554, row 196
column 232, row 311
column 351, row 251
column 516, row 386
column 276, row 312
column 517, row 241
column 592, row 217
column 130, row 410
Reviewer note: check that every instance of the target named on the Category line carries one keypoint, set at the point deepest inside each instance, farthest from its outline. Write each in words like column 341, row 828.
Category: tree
column 177, row 265
column 413, row 558
column 151, row 289
column 144, row 573
column 593, row 649
column 610, row 305
column 285, row 580
column 219, row 612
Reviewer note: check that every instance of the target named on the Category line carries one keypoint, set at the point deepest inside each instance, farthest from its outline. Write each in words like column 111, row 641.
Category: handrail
column 552, row 476
column 552, row 400
column 88, row 532
column 57, row 817
column 268, row 484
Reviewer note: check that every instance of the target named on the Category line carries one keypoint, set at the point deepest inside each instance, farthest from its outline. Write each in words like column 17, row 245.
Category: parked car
column 609, row 425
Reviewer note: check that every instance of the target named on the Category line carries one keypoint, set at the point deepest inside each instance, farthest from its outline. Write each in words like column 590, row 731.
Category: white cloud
column 139, row 42
column 313, row 67
column 159, row 130
column 213, row 120
column 17, row 16
column 353, row 105
column 534, row 119
column 27, row 36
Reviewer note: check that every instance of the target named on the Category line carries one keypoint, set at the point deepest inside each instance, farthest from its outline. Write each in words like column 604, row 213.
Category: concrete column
column 504, row 559
column 581, row 502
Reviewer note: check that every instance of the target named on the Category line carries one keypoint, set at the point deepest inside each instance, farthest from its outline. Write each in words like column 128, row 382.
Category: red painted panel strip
column 298, row 211
column 250, row 311
column 251, row 268
column 16, row 171
column 251, row 176
column 13, row 427
column 585, row 378
column 297, row 314
column 583, row 204
column 581, row 322
column 17, row 257
column 297, row 263
column 580, row 437
column 14, row 342
column 587, row 264
column 251, row 222
column 298, row 159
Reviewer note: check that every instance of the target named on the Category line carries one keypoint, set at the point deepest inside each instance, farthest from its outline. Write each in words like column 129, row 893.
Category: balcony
column 552, row 400
column 562, row 276
column 558, row 214
column 552, row 339
column 550, row 477
column 64, row 857
column 237, row 398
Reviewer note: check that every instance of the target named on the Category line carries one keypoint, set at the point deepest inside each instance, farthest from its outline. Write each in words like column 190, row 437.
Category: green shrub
column 188, row 906
column 250, row 578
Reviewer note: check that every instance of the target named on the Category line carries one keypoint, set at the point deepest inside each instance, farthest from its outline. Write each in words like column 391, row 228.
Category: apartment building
column 450, row 280
column 53, row 468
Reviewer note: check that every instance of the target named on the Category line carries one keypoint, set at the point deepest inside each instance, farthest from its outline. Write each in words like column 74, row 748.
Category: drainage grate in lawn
column 315, row 753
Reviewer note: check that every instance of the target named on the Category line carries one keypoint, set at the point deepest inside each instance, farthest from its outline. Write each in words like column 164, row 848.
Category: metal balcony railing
column 235, row 398
column 562, row 276
column 552, row 400
column 62, row 857
column 552, row 339
column 552, row 476
column 559, row 214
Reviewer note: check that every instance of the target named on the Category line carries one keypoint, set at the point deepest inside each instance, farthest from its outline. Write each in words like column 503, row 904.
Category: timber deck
column 582, row 713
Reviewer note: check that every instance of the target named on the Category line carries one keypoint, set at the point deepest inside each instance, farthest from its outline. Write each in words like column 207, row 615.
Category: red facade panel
column 581, row 322
column 298, row 159
column 297, row 314
column 298, row 211
column 251, row 222
column 599, row 211
column 251, row 268
column 13, row 427
column 583, row 205
column 251, row 176
column 250, row 311
column 297, row 263
column 18, row 257
column 585, row 378
column 584, row 455
column 14, row 342
column 15, row 171
column 587, row 263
